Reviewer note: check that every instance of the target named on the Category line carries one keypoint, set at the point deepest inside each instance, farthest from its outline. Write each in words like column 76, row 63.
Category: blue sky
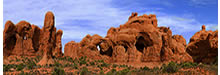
column 77, row 18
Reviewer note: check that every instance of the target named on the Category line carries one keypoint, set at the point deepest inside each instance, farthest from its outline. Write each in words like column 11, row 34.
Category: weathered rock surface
column 24, row 39
column 48, row 39
column 138, row 40
column 203, row 46
column 58, row 48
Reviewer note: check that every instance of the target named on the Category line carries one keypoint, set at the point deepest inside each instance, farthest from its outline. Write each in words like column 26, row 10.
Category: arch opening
column 107, row 52
column 140, row 44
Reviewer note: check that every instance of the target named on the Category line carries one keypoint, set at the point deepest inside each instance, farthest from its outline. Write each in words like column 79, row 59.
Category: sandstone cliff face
column 24, row 39
column 203, row 46
column 138, row 40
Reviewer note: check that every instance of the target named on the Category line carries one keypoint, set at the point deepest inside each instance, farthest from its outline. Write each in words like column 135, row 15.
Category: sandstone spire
column 48, row 39
column 203, row 27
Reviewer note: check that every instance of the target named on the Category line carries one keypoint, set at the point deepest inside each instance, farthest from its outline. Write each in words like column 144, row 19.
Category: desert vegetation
column 85, row 66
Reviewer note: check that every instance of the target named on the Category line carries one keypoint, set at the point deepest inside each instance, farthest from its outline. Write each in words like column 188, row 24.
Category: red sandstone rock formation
column 58, row 49
column 9, row 37
column 138, row 40
column 203, row 46
column 48, row 39
column 24, row 39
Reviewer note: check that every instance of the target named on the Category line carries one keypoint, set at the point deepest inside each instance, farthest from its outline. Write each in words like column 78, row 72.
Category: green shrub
column 22, row 73
column 67, row 65
column 58, row 71
column 37, row 58
column 123, row 72
column 110, row 73
column 75, row 66
column 123, row 66
column 155, row 69
column 84, row 71
column 8, row 67
column 170, row 68
column 57, row 64
column 100, row 61
column 145, row 68
column 114, row 65
column 99, row 66
column 70, row 59
column 17, row 59
column 92, row 63
column 75, row 60
column 101, row 73
column 82, row 60
column 36, row 72
column 113, row 70
column 30, row 64
column 188, row 65
column 23, row 61
column 20, row 67
column 104, row 64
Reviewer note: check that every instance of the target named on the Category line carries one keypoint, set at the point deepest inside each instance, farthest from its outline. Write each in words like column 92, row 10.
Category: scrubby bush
column 123, row 66
column 101, row 73
column 104, row 64
column 20, row 67
column 22, row 73
column 67, row 65
column 99, row 66
column 57, row 64
column 75, row 66
column 123, row 72
column 8, row 67
column 84, row 71
column 100, row 61
column 70, row 59
column 114, row 65
column 82, row 60
column 113, row 70
column 188, row 65
column 170, row 68
column 58, row 71
column 145, row 68
column 36, row 72
column 92, row 63
column 30, row 64
column 17, row 59
column 155, row 69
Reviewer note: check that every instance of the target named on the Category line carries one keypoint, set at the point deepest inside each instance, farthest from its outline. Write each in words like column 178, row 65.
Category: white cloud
column 99, row 13
column 183, row 25
column 34, row 11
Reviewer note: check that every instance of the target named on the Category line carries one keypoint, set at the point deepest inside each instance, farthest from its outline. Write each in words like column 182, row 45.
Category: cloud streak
column 202, row 2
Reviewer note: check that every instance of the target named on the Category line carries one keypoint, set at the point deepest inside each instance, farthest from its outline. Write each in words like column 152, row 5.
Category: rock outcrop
column 203, row 46
column 24, row 39
column 48, row 39
column 138, row 40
